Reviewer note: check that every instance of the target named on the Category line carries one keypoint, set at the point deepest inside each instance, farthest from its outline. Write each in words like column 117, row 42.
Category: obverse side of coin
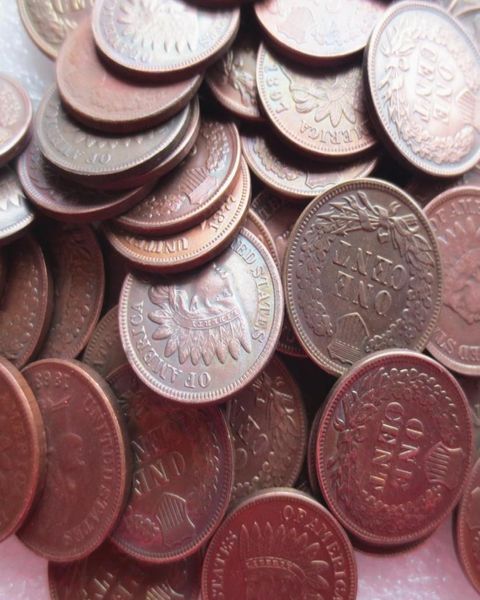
column 15, row 118
column 427, row 108
column 15, row 211
column 468, row 528
column 22, row 445
column 279, row 540
column 394, row 447
column 203, row 336
column 104, row 351
column 87, row 477
column 362, row 273
column 182, row 473
column 322, row 113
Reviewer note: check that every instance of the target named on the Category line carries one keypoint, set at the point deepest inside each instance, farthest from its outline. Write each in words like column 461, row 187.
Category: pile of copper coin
column 219, row 208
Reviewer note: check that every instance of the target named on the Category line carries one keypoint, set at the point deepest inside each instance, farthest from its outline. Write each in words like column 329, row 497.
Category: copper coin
column 88, row 476
column 3, row 272
column 48, row 22
column 323, row 113
column 423, row 79
column 254, row 224
column 101, row 100
column 79, row 282
column 470, row 21
column 15, row 118
column 269, row 428
column 158, row 38
column 58, row 198
column 317, row 32
column 15, row 212
column 104, row 351
column 279, row 544
column 281, row 170
column 362, row 273
column 182, row 478
column 187, row 249
column 468, row 528
column 195, row 188
column 455, row 218
column 108, row 573
column 471, row 387
column 22, row 446
column 26, row 303
column 312, row 454
column 203, row 336
column 394, row 447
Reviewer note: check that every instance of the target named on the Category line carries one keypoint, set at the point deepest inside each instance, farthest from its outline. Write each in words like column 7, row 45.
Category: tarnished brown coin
column 269, row 428
column 423, row 80
column 26, row 302
column 101, row 100
column 254, row 224
column 455, row 218
column 3, row 272
column 394, row 447
column 323, row 113
column 79, row 283
column 182, row 473
column 187, row 249
column 108, row 573
column 15, row 212
column 362, row 273
column 88, row 475
column 468, row 528
column 104, row 351
column 195, row 188
column 202, row 336
column 471, row 387
column 279, row 544
column 15, row 118
column 22, row 448
column 158, row 38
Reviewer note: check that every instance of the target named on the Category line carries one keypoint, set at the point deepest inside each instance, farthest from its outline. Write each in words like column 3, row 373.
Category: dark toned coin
column 279, row 542
column 158, row 38
column 426, row 109
column 471, row 387
column 79, row 283
column 15, row 212
column 394, row 447
column 362, row 273
column 254, row 224
column 22, row 447
column 101, row 100
column 323, row 113
column 88, row 477
column 15, row 118
column 104, row 351
column 26, row 302
column 269, row 428
column 468, row 528
column 183, row 473
column 204, row 335
column 108, row 573
column 3, row 273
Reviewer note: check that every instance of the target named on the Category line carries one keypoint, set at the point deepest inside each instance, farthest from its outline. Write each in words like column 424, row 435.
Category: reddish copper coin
column 3, row 273
column 362, row 273
column 468, row 528
column 15, row 118
column 423, row 79
column 471, row 387
column 88, row 475
column 158, row 38
column 279, row 544
column 108, row 573
column 22, row 446
column 269, row 429
column 183, row 473
column 15, row 212
column 191, row 248
column 101, row 100
column 394, row 447
column 79, row 283
column 323, row 113
column 26, row 303
column 104, row 351
column 195, row 188
column 254, row 224
column 203, row 336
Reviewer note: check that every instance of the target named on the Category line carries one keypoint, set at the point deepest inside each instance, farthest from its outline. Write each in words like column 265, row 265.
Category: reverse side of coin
column 15, row 118
column 104, row 351
column 15, row 212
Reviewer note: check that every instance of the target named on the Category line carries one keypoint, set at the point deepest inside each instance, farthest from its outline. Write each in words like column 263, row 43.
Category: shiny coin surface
column 15, row 118
column 468, row 528
column 104, row 351
column 15, row 212
column 254, row 224
column 470, row 20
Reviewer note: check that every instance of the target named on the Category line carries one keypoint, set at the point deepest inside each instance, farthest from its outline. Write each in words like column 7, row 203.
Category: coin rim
column 16, row 143
column 472, row 573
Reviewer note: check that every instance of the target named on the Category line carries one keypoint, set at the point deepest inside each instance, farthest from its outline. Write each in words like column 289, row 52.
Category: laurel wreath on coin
column 48, row 21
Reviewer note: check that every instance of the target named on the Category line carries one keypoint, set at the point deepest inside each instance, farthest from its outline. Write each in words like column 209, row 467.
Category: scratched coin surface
column 455, row 218
column 269, row 429
column 468, row 528
column 15, row 212
column 362, row 273
column 15, row 118
column 161, row 38
column 87, row 476
column 182, row 473
column 279, row 544
column 202, row 336
column 104, row 351
column 22, row 446
column 323, row 113
column 423, row 81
